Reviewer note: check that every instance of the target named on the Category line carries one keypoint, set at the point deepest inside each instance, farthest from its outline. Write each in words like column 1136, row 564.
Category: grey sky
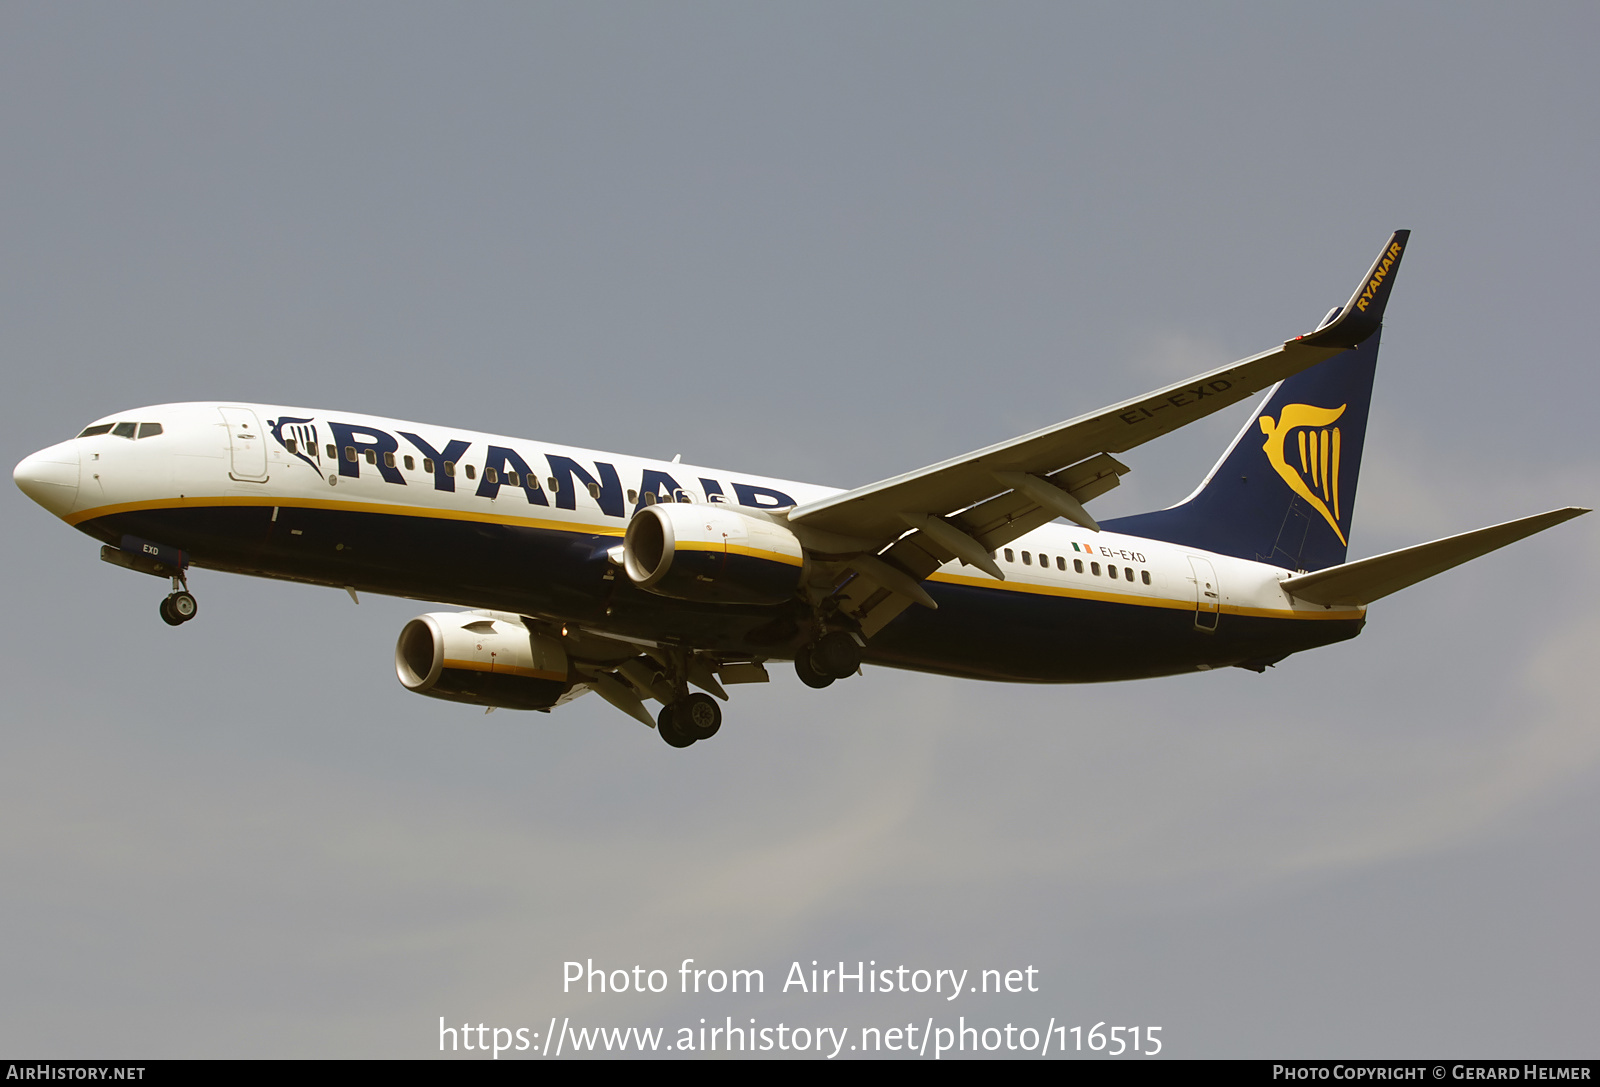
column 826, row 242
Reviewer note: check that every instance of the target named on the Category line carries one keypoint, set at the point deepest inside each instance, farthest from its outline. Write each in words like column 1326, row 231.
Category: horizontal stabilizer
column 1372, row 579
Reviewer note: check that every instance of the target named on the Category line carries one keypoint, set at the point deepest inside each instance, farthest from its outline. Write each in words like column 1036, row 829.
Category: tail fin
column 1285, row 490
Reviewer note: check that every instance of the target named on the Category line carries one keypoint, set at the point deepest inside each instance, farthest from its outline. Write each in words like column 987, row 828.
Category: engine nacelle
column 712, row 554
column 482, row 658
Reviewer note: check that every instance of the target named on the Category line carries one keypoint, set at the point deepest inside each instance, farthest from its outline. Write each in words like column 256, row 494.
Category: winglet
column 1363, row 314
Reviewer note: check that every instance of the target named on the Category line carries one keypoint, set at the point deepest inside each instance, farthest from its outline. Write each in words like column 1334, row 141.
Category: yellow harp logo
column 1317, row 479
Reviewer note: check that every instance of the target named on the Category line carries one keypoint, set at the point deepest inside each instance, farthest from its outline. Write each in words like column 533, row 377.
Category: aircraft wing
column 1367, row 580
column 968, row 507
column 1012, row 470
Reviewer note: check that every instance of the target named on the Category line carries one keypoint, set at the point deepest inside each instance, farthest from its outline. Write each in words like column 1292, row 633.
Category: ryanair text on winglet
column 1379, row 276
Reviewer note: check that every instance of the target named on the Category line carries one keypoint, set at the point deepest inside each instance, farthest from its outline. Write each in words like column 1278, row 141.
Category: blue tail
column 1285, row 490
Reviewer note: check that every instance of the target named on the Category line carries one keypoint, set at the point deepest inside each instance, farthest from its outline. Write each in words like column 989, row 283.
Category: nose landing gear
column 179, row 606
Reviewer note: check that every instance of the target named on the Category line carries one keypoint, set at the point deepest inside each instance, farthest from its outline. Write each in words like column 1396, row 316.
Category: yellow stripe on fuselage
column 1134, row 599
column 348, row 507
column 617, row 530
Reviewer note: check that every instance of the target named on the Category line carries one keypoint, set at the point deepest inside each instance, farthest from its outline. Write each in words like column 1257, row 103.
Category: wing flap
column 1362, row 582
column 1004, row 517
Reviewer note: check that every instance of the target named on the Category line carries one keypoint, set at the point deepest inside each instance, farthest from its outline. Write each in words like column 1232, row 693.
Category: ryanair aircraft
column 636, row 579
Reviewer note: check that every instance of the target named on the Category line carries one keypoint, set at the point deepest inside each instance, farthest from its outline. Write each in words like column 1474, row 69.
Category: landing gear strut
column 692, row 717
column 833, row 656
column 179, row 606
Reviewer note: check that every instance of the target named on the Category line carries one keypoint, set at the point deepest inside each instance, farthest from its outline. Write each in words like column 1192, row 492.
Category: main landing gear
column 833, row 656
column 690, row 718
column 179, row 606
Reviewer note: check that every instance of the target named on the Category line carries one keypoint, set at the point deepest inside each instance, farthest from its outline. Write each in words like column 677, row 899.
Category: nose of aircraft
column 50, row 477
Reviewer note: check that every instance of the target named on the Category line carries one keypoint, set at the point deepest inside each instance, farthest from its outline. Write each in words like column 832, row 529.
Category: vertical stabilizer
column 1285, row 490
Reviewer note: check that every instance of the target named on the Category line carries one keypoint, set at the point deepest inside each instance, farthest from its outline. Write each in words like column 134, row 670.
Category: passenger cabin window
column 1145, row 574
column 1077, row 566
column 1026, row 559
column 1129, row 573
column 490, row 475
column 449, row 467
column 1094, row 568
column 594, row 490
column 682, row 496
column 649, row 498
column 472, row 472
column 1009, row 556
column 555, row 484
column 410, row 462
column 149, row 430
column 427, row 465
column 350, row 453
column 1061, row 563
column 333, row 454
column 633, row 496
column 513, row 479
column 290, row 445
column 99, row 428
column 388, row 460
column 372, row 457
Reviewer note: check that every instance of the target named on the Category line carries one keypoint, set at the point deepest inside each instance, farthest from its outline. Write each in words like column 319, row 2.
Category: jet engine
column 482, row 658
column 712, row 554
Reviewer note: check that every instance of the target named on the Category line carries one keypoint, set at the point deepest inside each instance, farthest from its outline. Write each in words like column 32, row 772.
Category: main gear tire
column 667, row 724
column 699, row 716
column 808, row 672
column 837, row 654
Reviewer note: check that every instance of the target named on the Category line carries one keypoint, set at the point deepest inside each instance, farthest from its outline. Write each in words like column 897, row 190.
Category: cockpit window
column 123, row 430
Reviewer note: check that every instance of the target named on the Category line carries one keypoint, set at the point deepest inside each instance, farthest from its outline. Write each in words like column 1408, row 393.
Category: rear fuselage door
column 247, row 445
column 1207, row 595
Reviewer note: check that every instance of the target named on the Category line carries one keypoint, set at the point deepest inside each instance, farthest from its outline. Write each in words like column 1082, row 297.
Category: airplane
column 647, row 580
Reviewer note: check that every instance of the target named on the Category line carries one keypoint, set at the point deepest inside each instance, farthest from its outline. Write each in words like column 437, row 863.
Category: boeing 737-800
column 638, row 579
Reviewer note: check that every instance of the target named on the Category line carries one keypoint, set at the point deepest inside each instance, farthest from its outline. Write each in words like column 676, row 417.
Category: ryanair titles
column 346, row 447
column 1378, row 277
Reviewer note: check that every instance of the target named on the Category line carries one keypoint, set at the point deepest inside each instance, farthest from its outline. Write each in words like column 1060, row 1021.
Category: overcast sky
column 828, row 242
